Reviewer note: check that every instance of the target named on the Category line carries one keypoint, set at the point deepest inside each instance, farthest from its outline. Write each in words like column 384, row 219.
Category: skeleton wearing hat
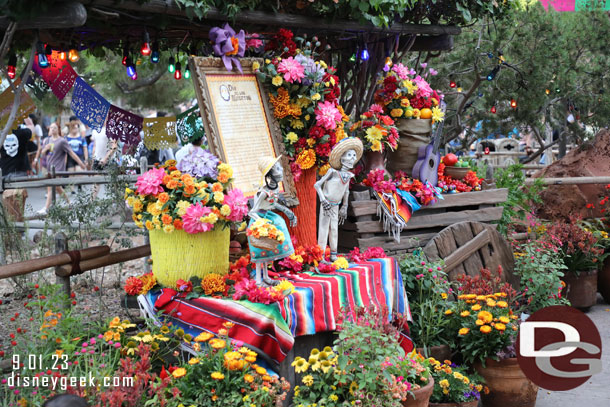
column 333, row 191
column 267, row 200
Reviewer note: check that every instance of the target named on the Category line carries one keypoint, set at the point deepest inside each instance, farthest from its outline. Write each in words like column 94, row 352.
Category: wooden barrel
column 414, row 133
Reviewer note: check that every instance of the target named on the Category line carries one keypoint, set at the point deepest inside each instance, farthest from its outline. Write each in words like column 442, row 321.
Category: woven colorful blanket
column 312, row 308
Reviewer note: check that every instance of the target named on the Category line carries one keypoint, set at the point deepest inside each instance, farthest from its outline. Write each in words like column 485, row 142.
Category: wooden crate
column 363, row 228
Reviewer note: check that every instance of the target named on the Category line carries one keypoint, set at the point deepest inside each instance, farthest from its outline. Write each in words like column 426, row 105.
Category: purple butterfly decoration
column 225, row 41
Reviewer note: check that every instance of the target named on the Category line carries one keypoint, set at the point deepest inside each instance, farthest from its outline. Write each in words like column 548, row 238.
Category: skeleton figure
column 266, row 200
column 333, row 191
column 11, row 145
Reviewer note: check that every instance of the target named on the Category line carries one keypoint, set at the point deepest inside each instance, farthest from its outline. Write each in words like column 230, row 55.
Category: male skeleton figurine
column 333, row 191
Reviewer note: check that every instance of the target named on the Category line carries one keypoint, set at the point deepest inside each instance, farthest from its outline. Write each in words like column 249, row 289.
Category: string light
column 131, row 68
column 155, row 56
column 364, row 54
column 459, row 90
column 172, row 65
column 146, row 50
column 547, row 91
column 178, row 73
column 493, row 109
column 493, row 73
column 73, row 55
column 187, row 73
column 352, row 58
column 125, row 54
column 452, row 84
column 11, row 67
column 43, row 61
column 513, row 103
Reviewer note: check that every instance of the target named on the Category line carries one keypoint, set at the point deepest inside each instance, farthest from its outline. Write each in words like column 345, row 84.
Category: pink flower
column 238, row 204
column 327, row 115
column 401, row 70
column 423, row 88
column 253, row 41
column 375, row 108
column 150, row 182
column 293, row 71
column 192, row 219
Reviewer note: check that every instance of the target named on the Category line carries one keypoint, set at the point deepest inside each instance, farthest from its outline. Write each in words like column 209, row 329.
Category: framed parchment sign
column 239, row 126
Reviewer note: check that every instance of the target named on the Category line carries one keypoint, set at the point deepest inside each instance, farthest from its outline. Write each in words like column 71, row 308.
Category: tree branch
column 143, row 83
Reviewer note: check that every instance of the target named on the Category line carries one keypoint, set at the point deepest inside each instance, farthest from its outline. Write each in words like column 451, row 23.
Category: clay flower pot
column 581, row 289
column 507, row 384
column 420, row 397
column 603, row 281
column 473, row 403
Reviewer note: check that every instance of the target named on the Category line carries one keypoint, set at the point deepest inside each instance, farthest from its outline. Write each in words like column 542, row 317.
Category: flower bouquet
column 264, row 235
column 188, row 216
column 376, row 130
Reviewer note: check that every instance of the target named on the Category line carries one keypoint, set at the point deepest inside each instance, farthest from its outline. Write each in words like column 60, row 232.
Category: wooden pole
column 30, row 266
column 61, row 245
column 55, row 182
column 570, row 180
column 107, row 260
column 2, row 233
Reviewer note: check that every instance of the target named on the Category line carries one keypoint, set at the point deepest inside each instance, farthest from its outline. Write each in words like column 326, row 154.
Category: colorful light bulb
column 11, row 67
column 172, row 65
column 452, row 84
column 513, row 103
column 155, row 56
column 178, row 72
column 73, row 55
column 187, row 73
column 493, row 109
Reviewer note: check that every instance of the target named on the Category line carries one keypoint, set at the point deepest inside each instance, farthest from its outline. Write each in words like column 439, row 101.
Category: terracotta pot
column 457, row 172
column 440, row 353
column 581, row 289
column 473, row 403
column 420, row 397
column 603, row 281
column 305, row 231
column 414, row 133
column 507, row 384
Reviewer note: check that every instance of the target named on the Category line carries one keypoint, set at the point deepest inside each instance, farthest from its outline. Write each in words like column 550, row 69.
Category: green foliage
column 520, row 198
column 427, row 288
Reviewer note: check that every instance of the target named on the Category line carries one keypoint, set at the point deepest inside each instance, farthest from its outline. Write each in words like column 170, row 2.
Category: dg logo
column 559, row 348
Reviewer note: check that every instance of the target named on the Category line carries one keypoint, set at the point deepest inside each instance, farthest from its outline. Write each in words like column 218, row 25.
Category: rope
column 75, row 257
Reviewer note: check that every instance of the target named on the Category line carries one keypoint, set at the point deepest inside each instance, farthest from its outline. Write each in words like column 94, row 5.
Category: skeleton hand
column 326, row 205
column 293, row 220
column 342, row 214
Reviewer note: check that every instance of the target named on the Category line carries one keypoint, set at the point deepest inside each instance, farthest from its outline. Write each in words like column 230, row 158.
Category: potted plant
column 583, row 255
column 408, row 98
column 487, row 328
column 454, row 386
column 187, row 215
column 600, row 229
column 428, row 290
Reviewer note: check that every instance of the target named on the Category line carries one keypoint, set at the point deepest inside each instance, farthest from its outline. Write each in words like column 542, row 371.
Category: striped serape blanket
column 312, row 308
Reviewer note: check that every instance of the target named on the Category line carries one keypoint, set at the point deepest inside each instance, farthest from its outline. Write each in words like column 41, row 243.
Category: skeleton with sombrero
column 333, row 191
column 267, row 200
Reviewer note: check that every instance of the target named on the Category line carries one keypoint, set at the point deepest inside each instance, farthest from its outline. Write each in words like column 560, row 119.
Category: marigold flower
column 485, row 329
column 500, row 327
column 465, row 313
column 485, row 316
column 133, row 286
column 218, row 343
column 448, row 312
column 217, row 376
column 504, row 320
column 248, row 378
column 179, row 372
column 476, row 307
column 463, row 331
column 502, row 304
column 203, row 337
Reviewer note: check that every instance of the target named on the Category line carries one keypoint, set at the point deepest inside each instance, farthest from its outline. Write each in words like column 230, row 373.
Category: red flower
column 323, row 150
column 184, row 286
column 163, row 374
column 590, row 206
column 133, row 286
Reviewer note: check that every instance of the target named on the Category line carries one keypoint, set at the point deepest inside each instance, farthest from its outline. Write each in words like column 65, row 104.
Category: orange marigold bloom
column 189, row 190
column 166, row 219
column 172, row 184
column 306, row 159
column 178, row 224
column 213, row 283
column 163, row 197
column 217, row 187
column 249, row 378
column 223, row 177
column 485, row 329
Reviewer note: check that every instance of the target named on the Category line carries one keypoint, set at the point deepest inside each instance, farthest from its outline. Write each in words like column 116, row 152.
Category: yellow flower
column 149, row 225
column 179, row 372
column 490, row 303
column 475, row 307
column 300, row 365
column 325, row 366
column 217, row 343
column 248, row 378
column 211, row 218
column 396, row 112
column 306, row 159
column 203, row 337
column 311, row 142
column 465, row 313
column 405, row 102
column 485, row 316
column 277, row 80
column 463, row 331
column 485, row 329
column 219, row 197
column 409, row 112
column 374, row 133
column 315, row 96
column 217, row 376
column 504, row 320
column 255, row 65
column 502, row 304
column 308, row 380
column 500, row 327
column 341, row 263
column 292, row 137
column 448, row 312
column 324, row 169
column 376, row 145
column 333, row 397
column 444, row 383
column 437, row 114
column 168, row 228
column 444, row 296
column 225, row 210
column 284, row 285
column 193, row 361
column 478, row 322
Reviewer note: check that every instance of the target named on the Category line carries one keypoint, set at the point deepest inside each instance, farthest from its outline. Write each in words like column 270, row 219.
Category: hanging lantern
column 155, row 56
column 146, row 50
column 493, row 109
column 171, row 67
column 178, row 73
column 73, row 55
column 43, row 61
column 513, row 103
column 11, row 67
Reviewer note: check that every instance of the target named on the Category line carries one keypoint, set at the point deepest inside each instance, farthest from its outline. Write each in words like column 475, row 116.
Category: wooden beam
column 570, row 180
column 107, row 260
column 30, row 266
column 313, row 24
column 460, row 255
column 61, row 15
column 40, row 224
column 83, row 180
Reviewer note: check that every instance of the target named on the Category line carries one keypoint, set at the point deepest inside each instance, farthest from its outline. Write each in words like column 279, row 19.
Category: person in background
column 13, row 152
column 59, row 150
column 78, row 143
column 34, row 142
column 103, row 150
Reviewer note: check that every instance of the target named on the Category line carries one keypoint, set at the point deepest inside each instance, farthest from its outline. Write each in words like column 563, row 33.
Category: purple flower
column 200, row 163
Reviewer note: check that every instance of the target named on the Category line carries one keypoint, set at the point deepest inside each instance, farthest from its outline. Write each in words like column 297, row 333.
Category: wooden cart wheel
column 467, row 247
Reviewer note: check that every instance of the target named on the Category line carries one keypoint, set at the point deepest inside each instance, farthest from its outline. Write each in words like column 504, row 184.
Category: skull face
column 11, row 145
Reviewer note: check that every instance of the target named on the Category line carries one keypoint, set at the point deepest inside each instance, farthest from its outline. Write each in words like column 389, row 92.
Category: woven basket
column 263, row 243
column 179, row 255
column 414, row 133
